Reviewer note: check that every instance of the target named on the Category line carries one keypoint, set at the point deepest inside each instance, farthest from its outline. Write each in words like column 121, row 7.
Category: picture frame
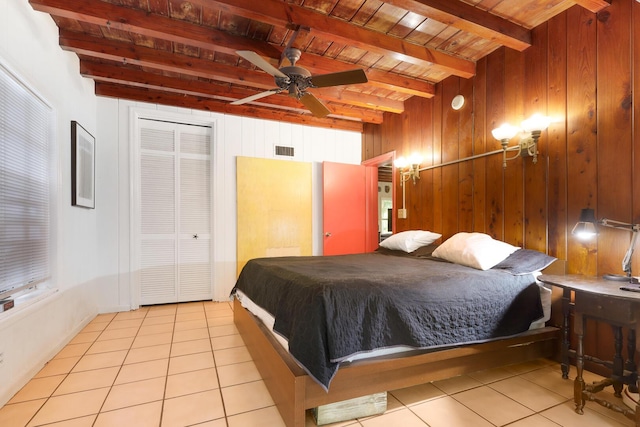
column 83, row 161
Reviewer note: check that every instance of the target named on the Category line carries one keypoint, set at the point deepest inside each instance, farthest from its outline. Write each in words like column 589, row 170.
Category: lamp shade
column 415, row 159
column 505, row 131
column 585, row 228
column 535, row 122
column 400, row 163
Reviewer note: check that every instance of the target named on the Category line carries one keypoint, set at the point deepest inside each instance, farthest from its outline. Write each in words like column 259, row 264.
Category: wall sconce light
column 409, row 169
column 532, row 129
column 586, row 228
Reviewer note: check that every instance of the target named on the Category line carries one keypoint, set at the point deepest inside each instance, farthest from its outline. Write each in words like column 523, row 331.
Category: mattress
column 340, row 308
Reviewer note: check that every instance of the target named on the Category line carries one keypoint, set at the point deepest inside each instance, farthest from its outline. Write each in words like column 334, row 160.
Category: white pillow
column 409, row 241
column 477, row 250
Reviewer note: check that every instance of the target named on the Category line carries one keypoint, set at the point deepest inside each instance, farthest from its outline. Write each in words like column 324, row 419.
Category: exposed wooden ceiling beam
column 593, row 5
column 165, row 28
column 124, row 75
column 277, row 12
column 208, row 104
column 470, row 19
column 148, row 57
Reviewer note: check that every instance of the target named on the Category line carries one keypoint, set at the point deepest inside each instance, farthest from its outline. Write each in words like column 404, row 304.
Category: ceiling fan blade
column 261, row 63
column 341, row 78
column 314, row 105
column 256, row 96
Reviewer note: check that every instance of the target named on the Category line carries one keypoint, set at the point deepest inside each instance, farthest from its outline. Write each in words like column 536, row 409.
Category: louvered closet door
column 174, row 196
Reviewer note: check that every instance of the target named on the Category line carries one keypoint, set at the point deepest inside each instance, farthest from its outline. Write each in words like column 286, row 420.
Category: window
column 25, row 132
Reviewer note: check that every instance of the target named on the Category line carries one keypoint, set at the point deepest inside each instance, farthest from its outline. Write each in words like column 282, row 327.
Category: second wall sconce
column 530, row 129
column 409, row 168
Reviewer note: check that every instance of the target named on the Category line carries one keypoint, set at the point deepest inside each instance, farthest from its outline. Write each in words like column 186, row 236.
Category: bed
column 354, row 325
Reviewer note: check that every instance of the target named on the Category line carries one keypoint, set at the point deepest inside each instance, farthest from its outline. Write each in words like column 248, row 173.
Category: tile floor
column 186, row 365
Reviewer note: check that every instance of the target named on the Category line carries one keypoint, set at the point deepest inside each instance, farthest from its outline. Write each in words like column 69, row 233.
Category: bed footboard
column 293, row 391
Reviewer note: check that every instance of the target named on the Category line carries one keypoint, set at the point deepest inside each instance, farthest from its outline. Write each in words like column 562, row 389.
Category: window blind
column 25, row 132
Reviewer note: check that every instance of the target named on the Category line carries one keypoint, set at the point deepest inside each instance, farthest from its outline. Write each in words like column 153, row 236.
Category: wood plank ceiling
column 184, row 52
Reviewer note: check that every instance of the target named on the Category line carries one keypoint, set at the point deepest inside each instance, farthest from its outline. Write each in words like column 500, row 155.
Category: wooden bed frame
column 293, row 391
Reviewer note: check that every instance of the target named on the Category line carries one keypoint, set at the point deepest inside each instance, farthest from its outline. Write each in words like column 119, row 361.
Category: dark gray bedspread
column 330, row 308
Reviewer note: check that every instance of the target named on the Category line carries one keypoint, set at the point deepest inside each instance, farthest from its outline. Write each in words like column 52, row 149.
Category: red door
column 344, row 208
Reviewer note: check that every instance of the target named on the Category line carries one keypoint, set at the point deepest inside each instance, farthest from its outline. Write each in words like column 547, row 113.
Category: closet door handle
column 327, row 234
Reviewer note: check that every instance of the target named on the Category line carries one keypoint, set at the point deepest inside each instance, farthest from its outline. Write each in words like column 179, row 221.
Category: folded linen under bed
column 332, row 308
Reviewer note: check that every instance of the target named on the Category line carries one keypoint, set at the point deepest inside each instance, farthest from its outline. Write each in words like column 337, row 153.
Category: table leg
column 617, row 368
column 566, row 305
column 578, row 385
column 630, row 364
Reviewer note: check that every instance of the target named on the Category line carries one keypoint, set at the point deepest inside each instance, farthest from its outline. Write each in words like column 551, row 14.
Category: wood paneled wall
column 581, row 70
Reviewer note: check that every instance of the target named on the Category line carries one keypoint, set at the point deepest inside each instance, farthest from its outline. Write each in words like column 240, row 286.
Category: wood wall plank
column 480, row 135
column 557, row 139
column 614, row 131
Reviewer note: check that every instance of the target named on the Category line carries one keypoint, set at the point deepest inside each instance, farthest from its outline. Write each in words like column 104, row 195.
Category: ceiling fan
column 296, row 80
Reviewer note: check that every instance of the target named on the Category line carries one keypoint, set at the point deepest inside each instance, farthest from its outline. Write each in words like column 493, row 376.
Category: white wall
column 34, row 332
column 234, row 136
column 90, row 263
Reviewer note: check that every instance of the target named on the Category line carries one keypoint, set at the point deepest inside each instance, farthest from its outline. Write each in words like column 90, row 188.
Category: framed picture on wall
column 83, row 162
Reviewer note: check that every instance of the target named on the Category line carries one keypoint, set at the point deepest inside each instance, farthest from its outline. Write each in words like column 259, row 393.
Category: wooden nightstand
column 602, row 300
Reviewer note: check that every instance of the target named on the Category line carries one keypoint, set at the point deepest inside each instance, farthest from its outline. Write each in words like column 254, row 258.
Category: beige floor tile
column 95, row 327
column 100, row 360
column 145, row 354
column 159, row 320
column 76, row 422
column 221, row 422
column 393, row 403
column 110, row 345
column 532, row 365
column 188, row 307
column 190, row 335
column 87, row 380
column 71, row 350
column 136, row 393
column 19, row 414
column 534, row 421
column 125, row 324
column 227, row 341
column 266, row 417
column 192, row 409
column 190, row 347
column 112, row 334
column 566, row 416
column 447, row 412
column 142, row 371
column 231, row 355
column 421, row 393
column 38, row 388
column 161, row 311
column 69, row 406
column 130, row 315
column 246, row 397
column 161, row 328
column 220, row 331
column 238, row 373
column 191, row 382
column 491, row 375
column 151, row 340
column 533, row 396
column 58, row 367
column 146, row 415
column 220, row 321
column 191, row 362
column 402, row 417
column 191, row 324
column 105, row 317
column 493, row 406
column 190, row 316
column 551, row 379
column 85, row 337
column 457, row 384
